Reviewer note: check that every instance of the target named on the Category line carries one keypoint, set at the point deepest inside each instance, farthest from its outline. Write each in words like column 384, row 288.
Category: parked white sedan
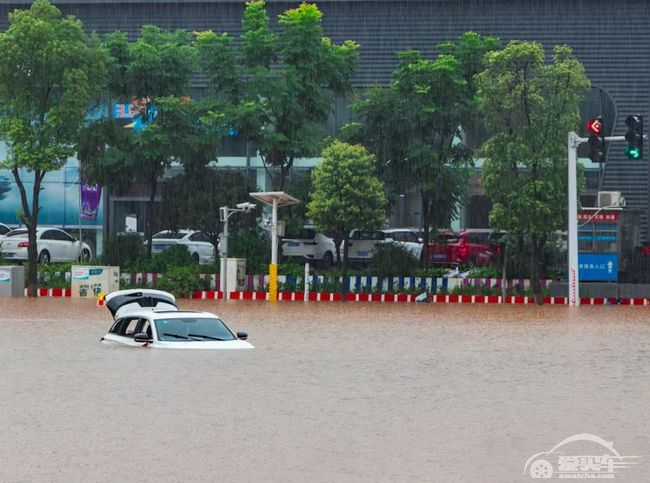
column 310, row 245
column 197, row 243
column 150, row 318
column 53, row 245
column 406, row 238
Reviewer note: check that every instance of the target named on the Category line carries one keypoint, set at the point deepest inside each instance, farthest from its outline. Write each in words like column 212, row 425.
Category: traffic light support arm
column 576, row 140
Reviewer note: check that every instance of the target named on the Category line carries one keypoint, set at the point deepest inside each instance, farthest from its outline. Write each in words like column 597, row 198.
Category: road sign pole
column 574, row 279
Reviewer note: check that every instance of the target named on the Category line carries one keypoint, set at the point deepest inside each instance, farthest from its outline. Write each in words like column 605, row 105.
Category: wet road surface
column 332, row 392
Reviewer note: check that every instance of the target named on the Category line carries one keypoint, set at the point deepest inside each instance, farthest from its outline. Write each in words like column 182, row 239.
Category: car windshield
column 192, row 329
column 18, row 232
column 169, row 235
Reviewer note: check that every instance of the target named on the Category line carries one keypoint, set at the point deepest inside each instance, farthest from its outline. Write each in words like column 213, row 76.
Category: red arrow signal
column 595, row 126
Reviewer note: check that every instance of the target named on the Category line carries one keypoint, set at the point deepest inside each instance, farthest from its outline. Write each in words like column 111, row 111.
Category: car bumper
column 18, row 254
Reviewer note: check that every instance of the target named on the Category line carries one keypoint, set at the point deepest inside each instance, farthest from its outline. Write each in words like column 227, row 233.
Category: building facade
column 611, row 39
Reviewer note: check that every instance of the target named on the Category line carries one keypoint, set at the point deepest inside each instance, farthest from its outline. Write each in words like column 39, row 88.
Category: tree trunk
column 150, row 215
column 424, row 257
column 504, row 268
column 344, row 268
column 30, row 217
column 534, row 269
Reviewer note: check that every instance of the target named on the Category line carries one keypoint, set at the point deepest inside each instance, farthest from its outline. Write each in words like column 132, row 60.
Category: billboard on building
column 63, row 200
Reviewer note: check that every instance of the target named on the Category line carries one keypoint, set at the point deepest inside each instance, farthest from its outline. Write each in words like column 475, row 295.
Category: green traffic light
column 632, row 152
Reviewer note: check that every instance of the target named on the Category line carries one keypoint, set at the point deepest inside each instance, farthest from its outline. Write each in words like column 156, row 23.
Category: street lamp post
column 274, row 199
column 224, row 214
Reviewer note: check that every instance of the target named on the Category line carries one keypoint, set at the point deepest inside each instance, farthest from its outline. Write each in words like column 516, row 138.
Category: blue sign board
column 598, row 267
column 599, row 237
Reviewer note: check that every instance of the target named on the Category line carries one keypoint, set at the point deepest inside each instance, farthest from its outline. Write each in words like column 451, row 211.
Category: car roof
column 39, row 229
column 170, row 314
column 395, row 230
column 185, row 231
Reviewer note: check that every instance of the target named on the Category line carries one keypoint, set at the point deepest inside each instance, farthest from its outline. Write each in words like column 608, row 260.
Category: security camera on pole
column 224, row 214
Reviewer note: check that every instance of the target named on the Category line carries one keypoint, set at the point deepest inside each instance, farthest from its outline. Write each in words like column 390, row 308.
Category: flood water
column 333, row 392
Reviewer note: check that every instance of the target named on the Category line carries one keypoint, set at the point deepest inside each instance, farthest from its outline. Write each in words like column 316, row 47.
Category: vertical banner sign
column 90, row 197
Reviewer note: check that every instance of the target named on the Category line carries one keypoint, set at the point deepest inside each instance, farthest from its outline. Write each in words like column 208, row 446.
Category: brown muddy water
column 332, row 392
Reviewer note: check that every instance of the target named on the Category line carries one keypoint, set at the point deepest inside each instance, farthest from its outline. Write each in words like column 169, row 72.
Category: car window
column 169, row 235
column 129, row 326
column 402, row 236
column 146, row 327
column 18, row 232
column 446, row 238
column 116, row 326
column 369, row 235
column 48, row 235
column 307, row 234
column 4, row 229
column 65, row 236
column 199, row 236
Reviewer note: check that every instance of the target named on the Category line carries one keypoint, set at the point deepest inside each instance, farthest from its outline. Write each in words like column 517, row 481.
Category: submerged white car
column 150, row 318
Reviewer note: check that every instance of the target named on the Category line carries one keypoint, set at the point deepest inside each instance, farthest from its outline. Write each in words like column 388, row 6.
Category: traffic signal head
column 596, row 140
column 634, row 137
column 595, row 126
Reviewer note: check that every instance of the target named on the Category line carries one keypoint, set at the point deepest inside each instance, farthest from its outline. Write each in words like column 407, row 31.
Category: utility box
column 12, row 281
column 89, row 282
column 236, row 274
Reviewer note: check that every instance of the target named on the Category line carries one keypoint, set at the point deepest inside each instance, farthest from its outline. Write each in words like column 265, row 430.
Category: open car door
column 122, row 302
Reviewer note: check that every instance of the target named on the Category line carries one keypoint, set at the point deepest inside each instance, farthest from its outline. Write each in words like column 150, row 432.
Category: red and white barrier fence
column 386, row 298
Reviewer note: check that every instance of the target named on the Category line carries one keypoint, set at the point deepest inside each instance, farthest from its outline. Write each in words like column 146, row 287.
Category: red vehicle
column 470, row 247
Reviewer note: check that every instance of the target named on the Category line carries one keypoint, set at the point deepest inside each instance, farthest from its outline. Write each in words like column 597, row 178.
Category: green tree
column 529, row 107
column 153, row 72
column 415, row 126
column 50, row 71
column 282, row 84
column 192, row 199
column 346, row 194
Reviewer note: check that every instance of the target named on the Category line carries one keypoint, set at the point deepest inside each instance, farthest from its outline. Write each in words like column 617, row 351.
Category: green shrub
column 291, row 268
column 182, row 281
column 485, row 272
column 52, row 275
column 124, row 251
column 254, row 247
column 173, row 257
column 391, row 259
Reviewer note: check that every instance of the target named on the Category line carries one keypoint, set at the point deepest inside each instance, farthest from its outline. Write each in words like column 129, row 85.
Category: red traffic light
column 595, row 126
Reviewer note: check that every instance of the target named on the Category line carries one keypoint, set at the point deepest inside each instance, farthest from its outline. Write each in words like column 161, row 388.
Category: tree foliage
column 192, row 200
column 282, row 84
column 529, row 107
column 153, row 73
column 50, row 71
column 346, row 194
column 415, row 125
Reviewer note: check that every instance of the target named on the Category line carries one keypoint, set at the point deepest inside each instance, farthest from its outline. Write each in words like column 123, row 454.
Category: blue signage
column 592, row 237
column 598, row 267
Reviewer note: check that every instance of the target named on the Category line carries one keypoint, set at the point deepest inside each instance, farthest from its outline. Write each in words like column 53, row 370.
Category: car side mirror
column 242, row 335
column 142, row 337
column 420, row 240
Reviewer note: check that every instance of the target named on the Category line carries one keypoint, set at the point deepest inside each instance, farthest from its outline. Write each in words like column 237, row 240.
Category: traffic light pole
column 574, row 277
